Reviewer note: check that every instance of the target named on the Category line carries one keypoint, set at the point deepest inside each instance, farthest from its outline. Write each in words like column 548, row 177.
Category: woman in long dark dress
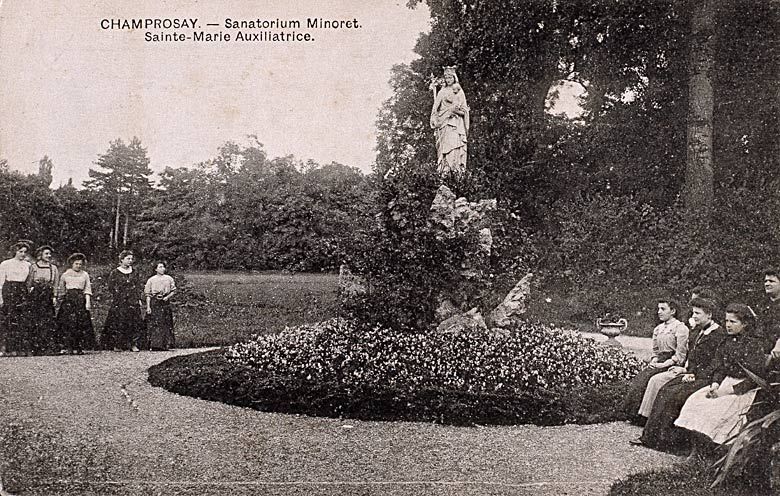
column 124, row 327
column 14, row 313
column 706, row 337
column 42, row 282
column 74, row 320
column 670, row 348
column 159, row 324
column 718, row 410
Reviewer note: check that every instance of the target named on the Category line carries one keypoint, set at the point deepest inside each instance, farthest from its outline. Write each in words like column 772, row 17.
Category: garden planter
column 611, row 330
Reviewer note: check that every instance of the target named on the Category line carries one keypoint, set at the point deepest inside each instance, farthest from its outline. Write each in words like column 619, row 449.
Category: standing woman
column 42, row 282
column 14, row 322
column 158, row 290
column 74, row 320
column 123, row 329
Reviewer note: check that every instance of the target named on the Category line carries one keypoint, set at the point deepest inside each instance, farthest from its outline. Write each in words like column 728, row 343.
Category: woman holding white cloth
column 717, row 412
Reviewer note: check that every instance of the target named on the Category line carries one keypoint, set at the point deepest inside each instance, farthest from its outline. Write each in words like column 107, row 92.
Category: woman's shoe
column 135, row 349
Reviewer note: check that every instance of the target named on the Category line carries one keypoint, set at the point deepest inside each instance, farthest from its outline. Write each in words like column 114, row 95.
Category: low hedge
column 211, row 376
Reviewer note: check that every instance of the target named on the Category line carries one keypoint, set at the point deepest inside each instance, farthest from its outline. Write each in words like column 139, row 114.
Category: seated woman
column 716, row 412
column 670, row 348
column 669, row 397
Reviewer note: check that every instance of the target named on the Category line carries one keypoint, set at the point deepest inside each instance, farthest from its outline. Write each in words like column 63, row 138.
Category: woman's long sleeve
column 681, row 350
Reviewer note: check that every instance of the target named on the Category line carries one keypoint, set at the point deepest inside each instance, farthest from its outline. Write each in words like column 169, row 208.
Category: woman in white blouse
column 158, row 290
column 14, row 321
column 74, row 319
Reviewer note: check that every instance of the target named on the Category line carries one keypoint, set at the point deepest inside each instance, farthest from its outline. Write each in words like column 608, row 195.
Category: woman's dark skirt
column 660, row 432
column 75, row 322
column 124, row 327
column 159, row 325
column 636, row 391
column 44, row 335
column 14, row 318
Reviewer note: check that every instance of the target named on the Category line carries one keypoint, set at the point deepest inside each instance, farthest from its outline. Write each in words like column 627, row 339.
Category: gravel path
column 83, row 425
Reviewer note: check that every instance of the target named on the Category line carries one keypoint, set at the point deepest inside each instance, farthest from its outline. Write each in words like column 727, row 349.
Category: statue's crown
column 450, row 69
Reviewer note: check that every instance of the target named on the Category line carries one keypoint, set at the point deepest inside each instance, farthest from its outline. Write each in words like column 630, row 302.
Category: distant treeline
column 240, row 210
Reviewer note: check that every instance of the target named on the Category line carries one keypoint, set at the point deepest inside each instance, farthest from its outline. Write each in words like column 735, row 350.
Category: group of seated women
column 695, row 392
column 43, row 311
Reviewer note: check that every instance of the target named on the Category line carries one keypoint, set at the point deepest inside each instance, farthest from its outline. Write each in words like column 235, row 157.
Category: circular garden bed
column 532, row 374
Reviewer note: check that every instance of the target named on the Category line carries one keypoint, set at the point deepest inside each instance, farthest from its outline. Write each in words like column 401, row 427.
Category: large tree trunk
column 699, row 174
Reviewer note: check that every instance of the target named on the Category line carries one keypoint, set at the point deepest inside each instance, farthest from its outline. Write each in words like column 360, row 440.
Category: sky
column 70, row 87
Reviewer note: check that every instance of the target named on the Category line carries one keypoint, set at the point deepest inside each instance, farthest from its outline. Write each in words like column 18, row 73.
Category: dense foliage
column 243, row 210
column 240, row 210
column 67, row 219
column 594, row 204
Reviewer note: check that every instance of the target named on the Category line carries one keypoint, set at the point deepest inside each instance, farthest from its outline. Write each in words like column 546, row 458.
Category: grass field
column 242, row 304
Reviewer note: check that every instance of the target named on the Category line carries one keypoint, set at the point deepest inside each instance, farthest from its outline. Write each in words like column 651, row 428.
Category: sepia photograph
column 390, row 247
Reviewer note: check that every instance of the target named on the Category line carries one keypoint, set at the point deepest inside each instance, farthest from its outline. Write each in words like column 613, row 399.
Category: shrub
column 607, row 241
column 681, row 480
column 403, row 262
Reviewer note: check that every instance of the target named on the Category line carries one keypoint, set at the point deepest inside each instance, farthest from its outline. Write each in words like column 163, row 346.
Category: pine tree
column 123, row 181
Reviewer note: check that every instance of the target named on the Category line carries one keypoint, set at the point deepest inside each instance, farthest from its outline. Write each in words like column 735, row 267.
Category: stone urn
column 611, row 329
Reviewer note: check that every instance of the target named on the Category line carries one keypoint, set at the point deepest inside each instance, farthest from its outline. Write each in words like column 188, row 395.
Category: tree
column 122, row 180
column 699, row 174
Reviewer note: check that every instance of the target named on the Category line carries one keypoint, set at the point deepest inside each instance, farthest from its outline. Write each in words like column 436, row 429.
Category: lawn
column 239, row 304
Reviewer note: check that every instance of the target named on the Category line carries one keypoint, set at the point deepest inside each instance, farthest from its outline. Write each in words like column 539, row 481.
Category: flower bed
column 530, row 358
column 531, row 375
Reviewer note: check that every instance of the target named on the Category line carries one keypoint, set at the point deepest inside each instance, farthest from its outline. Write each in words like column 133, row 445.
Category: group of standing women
column 43, row 311
column 696, row 392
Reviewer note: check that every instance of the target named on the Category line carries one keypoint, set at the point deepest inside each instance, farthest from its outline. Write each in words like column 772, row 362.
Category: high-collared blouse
column 671, row 337
column 13, row 270
column 737, row 351
column 71, row 279
column 703, row 347
column 43, row 275
column 159, row 285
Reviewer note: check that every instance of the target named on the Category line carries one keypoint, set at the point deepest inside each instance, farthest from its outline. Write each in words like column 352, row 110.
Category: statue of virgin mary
column 450, row 122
